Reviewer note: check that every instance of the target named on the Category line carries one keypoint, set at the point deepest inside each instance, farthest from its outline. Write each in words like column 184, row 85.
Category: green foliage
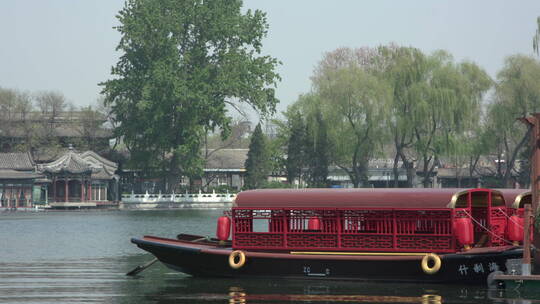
column 448, row 105
column 257, row 163
column 277, row 185
column 182, row 62
column 536, row 38
column 354, row 106
column 295, row 147
column 405, row 70
column 428, row 106
column 316, row 151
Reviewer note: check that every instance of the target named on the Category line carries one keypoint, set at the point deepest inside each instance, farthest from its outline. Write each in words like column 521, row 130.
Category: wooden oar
column 141, row 267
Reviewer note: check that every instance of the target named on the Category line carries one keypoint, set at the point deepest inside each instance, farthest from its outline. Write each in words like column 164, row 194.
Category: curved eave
column 58, row 171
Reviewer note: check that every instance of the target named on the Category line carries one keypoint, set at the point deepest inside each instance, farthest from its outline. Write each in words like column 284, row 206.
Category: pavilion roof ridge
column 69, row 162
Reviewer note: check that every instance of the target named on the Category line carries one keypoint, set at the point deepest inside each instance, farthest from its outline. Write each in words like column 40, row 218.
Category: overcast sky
column 69, row 45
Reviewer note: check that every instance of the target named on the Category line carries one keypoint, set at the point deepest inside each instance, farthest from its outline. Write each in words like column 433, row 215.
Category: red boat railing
column 344, row 230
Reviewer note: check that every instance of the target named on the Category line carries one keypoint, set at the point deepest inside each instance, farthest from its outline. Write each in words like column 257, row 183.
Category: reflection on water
column 83, row 257
column 237, row 295
column 104, row 281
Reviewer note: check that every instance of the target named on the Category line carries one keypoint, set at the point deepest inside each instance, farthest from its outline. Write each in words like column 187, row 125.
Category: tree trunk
column 395, row 169
column 425, row 170
column 512, row 160
column 409, row 167
column 472, row 168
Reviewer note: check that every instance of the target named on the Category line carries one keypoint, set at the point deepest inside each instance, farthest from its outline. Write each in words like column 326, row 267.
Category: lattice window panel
column 276, row 225
column 298, row 220
column 243, row 225
column 424, row 222
column 366, row 241
column 368, row 221
column 243, row 240
column 306, row 240
column 424, row 242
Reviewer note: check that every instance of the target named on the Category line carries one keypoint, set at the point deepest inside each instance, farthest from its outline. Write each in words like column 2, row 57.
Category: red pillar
column 89, row 190
column 66, row 187
column 82, row 191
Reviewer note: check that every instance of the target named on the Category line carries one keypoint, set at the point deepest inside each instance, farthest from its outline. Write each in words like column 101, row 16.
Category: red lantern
column 463, row 229
column 515, row 229
column 314, row 224
column 223, row 228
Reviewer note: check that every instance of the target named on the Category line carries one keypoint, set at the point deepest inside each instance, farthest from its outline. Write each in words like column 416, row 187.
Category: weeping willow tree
column 404, row 68
column 354, row 105
column 448, row 106
column 467, row 141
column 517, row 94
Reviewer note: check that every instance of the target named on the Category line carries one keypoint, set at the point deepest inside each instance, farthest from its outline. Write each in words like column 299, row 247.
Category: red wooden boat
column 413, row 235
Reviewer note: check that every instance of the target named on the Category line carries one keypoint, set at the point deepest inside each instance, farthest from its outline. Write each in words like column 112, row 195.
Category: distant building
column 380, row 175
column 17, row 180
column 84, row 178
column 225, row 167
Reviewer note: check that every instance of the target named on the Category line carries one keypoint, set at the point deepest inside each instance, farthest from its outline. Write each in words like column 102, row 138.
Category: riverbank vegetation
column 401, row 103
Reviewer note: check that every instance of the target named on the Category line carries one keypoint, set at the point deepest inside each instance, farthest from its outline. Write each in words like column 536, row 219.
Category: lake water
column 82, row 257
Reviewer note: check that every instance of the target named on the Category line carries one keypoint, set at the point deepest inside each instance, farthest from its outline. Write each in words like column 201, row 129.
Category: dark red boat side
column 413, row 235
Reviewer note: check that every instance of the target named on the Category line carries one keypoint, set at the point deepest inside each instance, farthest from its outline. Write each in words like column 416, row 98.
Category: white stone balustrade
column 177, row 200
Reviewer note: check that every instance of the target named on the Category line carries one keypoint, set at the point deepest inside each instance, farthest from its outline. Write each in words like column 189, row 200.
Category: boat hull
column 208, row 259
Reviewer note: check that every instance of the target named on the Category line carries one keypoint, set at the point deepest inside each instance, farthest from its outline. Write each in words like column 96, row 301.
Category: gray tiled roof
column 14, row 174
column 101, row 173
column 88, row 162
column 69, row 162
column 16, row 161
column 97, row 161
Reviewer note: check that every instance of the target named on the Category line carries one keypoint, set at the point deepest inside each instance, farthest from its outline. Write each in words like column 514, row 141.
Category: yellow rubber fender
column 436, row 263
column 241, row 259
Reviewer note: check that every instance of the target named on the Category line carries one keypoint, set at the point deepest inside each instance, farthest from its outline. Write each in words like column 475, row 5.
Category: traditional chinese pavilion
column 81, row 178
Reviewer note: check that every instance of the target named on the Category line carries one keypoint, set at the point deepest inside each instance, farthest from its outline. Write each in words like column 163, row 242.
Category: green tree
column 317, row 151
column 517, row 94
column 446, row 105
column 295, row 147
column 354, row 104
column 183, row 62
column 257, row 163
column 405, row 69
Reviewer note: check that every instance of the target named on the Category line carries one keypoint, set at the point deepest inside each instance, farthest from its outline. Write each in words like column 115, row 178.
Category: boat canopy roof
column 516, row 198
column 417, row 198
